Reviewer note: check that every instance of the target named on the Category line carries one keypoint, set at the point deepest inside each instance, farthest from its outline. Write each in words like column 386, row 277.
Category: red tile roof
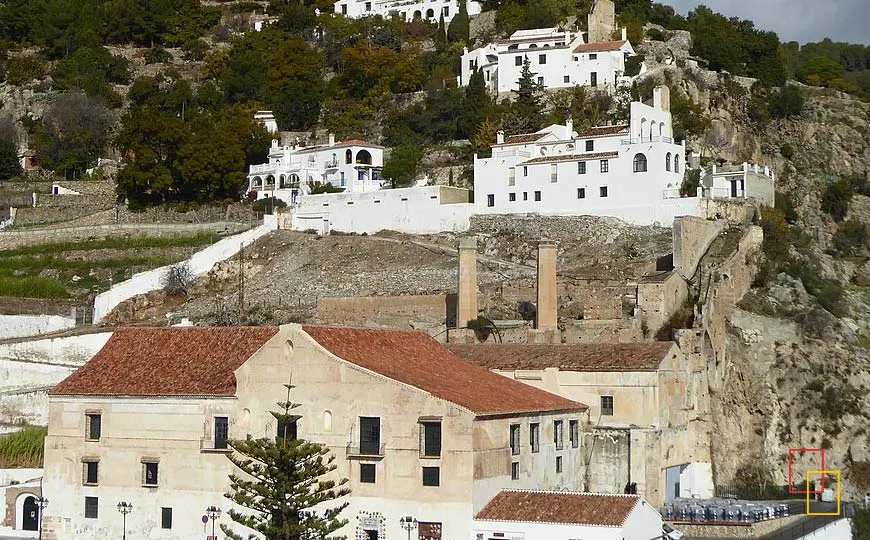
column 167, row 362
column 414, row 358
column 572, row 157
column 625, row 357
column 604, row 131
column 560, row 507
column 601, row 46
column 524, row 138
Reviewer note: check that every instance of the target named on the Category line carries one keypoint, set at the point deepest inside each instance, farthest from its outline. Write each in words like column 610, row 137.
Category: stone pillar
column 467, row 301
column 547, row 290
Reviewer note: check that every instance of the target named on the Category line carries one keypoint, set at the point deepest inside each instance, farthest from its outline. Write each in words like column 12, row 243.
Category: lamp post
column 41, row 503
column 125, row 508
column 408, row 523
column 214, row 513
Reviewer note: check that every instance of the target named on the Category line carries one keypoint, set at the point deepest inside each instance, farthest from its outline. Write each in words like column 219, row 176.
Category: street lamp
column 214, row 513
column 408, row 523
column 41, row 503
column 125, row 508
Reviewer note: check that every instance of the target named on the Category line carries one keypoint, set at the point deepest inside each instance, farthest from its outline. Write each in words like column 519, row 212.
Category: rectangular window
column 287, row 431
column 525, row 171
column 538, row 196
column 557, row 434
column 512, row 176
column 368, row 6
column 221, row 432
column 367, row 473
column 90, row 473
column 432, row 476
column 94, row 428
column 605, row 165
column 431, row 435
column 593, row 56
column 581, row 167
column 535, row 436
column 446, row 11
column 525, row 195
column 574, row 433
column 92, row 507
column 558, row 464
column 554, row 173
column 566, row 79
column 593, row 81
column 166, row 518
column 490, row 200
column 369, row 435
column 590, row 145
column 540, row 81
column 518, row 60
column 581, row 193
column 602, row 191
column 344, row 10
column 542, row 59
column 515, row 439
column 149, row 473
column 515, row 470
column 471, row 65
column 512, row 197
column 606, row 405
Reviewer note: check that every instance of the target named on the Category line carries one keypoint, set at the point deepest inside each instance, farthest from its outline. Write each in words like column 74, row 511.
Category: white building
column 415, row 430
column 353, row 165
column 415, row 210
column 744, row 181
column 632, row 172
column 558, row 60
column 407, row 10
column 566, row 515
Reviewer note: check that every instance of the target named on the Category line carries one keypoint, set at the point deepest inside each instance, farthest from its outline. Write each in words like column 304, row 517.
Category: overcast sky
column 796, row 20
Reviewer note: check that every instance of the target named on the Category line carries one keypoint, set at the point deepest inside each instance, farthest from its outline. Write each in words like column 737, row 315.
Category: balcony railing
column 365, row 451
column 724, row 193
column 512, row 153
column 207, row 444
column 641, row 140
column 331, row 164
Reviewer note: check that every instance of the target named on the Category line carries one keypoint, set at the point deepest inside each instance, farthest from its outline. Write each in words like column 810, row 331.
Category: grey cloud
column 796, row 20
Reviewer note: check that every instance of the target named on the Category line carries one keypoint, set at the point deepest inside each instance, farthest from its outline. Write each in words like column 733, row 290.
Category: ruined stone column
column 467, row 301
column 547, row 318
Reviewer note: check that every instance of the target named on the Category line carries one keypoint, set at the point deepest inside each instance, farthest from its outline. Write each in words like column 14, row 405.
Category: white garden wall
column 200, row 263
column 16, row 326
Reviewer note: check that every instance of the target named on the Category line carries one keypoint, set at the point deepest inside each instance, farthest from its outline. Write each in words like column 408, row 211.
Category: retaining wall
column 14, row 326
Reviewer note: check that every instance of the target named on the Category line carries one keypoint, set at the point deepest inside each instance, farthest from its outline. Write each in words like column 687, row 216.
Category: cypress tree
column 10, row 167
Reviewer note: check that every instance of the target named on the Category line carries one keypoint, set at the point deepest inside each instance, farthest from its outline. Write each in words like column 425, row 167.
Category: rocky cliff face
column 791, row 373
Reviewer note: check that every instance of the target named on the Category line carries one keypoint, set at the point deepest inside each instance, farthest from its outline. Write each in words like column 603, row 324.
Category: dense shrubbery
column 836, row 198
column 22, row 449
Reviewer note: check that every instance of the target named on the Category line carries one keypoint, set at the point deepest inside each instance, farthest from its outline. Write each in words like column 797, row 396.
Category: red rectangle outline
column 791, row 489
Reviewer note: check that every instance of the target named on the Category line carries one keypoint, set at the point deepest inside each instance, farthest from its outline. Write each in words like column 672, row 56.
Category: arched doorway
column 364, row 157
column 30, row 519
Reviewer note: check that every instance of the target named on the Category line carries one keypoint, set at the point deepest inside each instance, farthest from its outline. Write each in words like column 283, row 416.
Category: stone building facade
column 416, row 430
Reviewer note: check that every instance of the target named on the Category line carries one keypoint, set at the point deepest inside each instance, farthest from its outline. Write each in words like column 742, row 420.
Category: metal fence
column 760, row 493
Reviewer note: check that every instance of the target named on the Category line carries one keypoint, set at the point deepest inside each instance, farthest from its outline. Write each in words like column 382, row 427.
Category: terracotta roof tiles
column 414, row 358
column 167, row 362
column 601, row 46
column 604, row 131
column 524, row 138
column 572, row 157
column 559, row 507
column 625, row 357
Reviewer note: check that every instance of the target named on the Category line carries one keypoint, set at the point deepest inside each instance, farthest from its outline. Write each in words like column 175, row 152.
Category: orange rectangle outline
column 837, row 513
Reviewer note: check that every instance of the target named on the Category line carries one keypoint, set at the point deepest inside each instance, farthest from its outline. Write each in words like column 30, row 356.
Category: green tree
column 485, row 136
column 786, row 102
column 73, row 132
column 820, row 71
column 458, row 29
column 294, row 84
column 836, row 198
column 401, row 167
column 689, row 118
column 851, row 237
column 281, row 484
column 10, row 166
column 475, row 105
column 524, row 114
column 93, row 71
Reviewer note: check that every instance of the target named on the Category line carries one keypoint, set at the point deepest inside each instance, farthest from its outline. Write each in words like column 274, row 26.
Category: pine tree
column 475, row 105
column 525, row 114
column 441, row 33
column 458, row 29
column 9, row 164
column 281, row 483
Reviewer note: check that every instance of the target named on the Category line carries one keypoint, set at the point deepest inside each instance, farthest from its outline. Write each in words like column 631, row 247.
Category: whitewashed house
column 566, row 515
column 407, row 10
column 416, row 431
column 353, row 165
column 558, row 59
column 744, row 181
column 632, row 171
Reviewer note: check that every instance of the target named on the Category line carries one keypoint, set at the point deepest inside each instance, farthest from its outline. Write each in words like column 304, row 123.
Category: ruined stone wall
column 578, row 299
column 416, row 311
column 607, row 453
column 602, row 21
column 658, row 300
column 692, row 237
column 602, row 331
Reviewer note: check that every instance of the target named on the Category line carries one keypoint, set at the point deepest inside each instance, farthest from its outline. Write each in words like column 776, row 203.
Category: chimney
column 547, row 293
column 662, row 98
column 624, row 34
column 499, row 137
column 569, row 127
column 332, row 139
column 467, row 301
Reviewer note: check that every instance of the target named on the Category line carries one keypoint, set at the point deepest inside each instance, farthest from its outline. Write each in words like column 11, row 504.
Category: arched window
column 677, row 163
column 668, row 162
column 270, row 180
column 639, row 163
column 430, row 13
column 533, row 46
column 513, row 47
column 294, row 180
column 643, row 129
column 348, row 156
column 282, row 181
column 257, row 182
column 364, row 157
column 417, row 16
column 327, row 421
